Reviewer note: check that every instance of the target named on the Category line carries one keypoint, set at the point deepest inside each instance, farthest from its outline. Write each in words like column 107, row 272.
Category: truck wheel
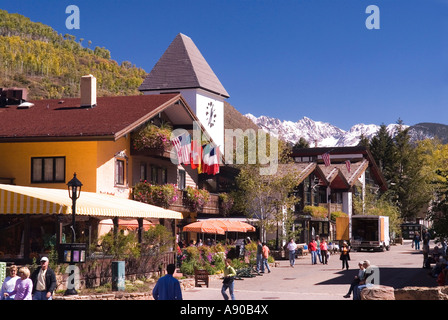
column 388, row 248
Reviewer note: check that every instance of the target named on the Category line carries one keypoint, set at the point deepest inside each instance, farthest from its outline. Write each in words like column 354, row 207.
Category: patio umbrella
column 204, row 226
column 248, row 227
column 232, row 225
column 229, row 226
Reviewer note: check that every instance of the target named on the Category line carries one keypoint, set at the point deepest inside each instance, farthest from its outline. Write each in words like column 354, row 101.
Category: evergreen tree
column 302, row 143
column 383, row 150
column 401, row 164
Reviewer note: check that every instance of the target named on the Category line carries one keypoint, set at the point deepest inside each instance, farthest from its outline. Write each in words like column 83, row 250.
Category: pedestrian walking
column 324, row 251
column 425, row 250
column 167, row 287
column 259, row 255
column 356, row 280
column 228, row 282
column 44, row 281
column 319, row 255
column 345, row 255
column 292, row 247
column 312, row 248
column 9, row 284
column 416, row 241
column 265, row 254
column 24, row 286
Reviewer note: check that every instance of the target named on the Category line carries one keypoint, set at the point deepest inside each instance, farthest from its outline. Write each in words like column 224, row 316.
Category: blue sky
column 285, row 58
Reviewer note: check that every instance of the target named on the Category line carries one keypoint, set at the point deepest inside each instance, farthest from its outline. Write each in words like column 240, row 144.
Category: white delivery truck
column 370, row 232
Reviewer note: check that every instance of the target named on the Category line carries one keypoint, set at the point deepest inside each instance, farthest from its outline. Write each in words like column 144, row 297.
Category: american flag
column 326, row 158
column 347, row 164
column 185, row 148
column 182, row 144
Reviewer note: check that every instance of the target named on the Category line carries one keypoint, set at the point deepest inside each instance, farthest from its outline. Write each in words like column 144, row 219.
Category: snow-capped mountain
column 316, row 132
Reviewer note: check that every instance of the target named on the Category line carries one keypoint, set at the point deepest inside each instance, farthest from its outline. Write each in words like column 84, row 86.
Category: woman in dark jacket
column 345, row 255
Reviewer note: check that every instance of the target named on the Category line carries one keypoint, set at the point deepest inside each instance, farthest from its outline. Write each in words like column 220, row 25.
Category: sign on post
column 72, row 252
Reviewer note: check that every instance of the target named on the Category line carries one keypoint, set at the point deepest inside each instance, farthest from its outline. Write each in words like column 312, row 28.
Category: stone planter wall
column 407, row 293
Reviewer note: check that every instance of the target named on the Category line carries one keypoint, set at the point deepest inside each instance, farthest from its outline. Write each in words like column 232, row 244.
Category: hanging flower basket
column 152, row 137
column 196, row 198
column 158, row 195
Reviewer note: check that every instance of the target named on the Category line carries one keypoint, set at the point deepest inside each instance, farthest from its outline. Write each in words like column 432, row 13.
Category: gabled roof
column 358, row 166
column 65, row 119
column 182, row 66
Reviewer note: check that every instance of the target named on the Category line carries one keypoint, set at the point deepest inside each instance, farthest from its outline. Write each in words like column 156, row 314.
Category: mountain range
column 322, row 134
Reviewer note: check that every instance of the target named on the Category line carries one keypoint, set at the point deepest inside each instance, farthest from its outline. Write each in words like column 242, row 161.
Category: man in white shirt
column 292, row 247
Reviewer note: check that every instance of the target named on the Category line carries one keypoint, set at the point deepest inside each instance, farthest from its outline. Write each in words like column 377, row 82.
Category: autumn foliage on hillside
column 50, row 64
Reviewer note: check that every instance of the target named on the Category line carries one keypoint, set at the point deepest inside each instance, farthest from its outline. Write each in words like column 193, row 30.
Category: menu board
column 72, row 252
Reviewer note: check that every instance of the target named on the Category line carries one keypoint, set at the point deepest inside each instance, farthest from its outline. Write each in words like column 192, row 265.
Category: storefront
column 35, row 220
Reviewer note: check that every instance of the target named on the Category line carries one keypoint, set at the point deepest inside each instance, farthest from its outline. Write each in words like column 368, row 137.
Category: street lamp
column 74, row 191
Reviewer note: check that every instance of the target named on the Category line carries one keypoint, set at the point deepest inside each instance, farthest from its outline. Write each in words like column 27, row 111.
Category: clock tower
column 183, row 69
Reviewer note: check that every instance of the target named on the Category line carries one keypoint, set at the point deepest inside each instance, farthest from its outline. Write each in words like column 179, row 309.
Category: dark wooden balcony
column 211, row 207
column 158, row 153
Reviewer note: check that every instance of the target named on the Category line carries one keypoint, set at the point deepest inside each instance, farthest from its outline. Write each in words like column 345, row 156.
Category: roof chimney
column 88, row 91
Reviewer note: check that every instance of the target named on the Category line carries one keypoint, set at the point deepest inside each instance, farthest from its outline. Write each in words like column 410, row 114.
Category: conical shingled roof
column 182, row 66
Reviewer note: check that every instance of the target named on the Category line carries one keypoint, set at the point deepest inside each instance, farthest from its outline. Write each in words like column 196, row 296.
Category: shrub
column 204, row 257
column 337, row 214
column 316, row 212
column 226, row 202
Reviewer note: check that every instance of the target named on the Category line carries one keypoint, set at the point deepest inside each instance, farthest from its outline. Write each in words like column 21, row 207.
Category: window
column 159, row 175
column 154, row 175
column 143, row 172
column 181, row 183
column 164, row 175
column 48, row 169
column 119, row 172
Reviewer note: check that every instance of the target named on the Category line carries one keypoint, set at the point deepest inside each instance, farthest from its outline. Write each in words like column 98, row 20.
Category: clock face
column 210, row 114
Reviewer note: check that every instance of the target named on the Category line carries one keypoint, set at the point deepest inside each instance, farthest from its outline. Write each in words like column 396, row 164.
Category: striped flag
column 347, row 164
column 176, row 143
column 182, row 145
column 326, row 158
column 185, row 148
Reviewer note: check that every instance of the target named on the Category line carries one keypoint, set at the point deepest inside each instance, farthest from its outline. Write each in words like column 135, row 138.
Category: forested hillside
column 50, row 65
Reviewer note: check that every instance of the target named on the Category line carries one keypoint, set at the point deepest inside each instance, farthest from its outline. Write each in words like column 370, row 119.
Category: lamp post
column 74, row 191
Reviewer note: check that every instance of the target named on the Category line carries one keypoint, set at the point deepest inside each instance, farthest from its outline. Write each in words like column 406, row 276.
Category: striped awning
column 31, row 200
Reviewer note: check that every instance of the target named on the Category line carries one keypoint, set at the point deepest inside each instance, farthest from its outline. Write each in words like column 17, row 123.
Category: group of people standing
column 22, row 285
column 318, row 250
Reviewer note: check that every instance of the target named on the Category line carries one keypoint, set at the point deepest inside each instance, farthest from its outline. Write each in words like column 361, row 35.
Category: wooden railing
column 333, row 206
column 211, row 207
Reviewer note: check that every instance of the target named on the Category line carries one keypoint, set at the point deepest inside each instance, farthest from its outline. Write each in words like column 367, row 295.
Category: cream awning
column 31, row 200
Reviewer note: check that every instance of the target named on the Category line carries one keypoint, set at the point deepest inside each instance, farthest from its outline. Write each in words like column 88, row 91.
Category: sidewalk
column 283, row 283
column 401, row 266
